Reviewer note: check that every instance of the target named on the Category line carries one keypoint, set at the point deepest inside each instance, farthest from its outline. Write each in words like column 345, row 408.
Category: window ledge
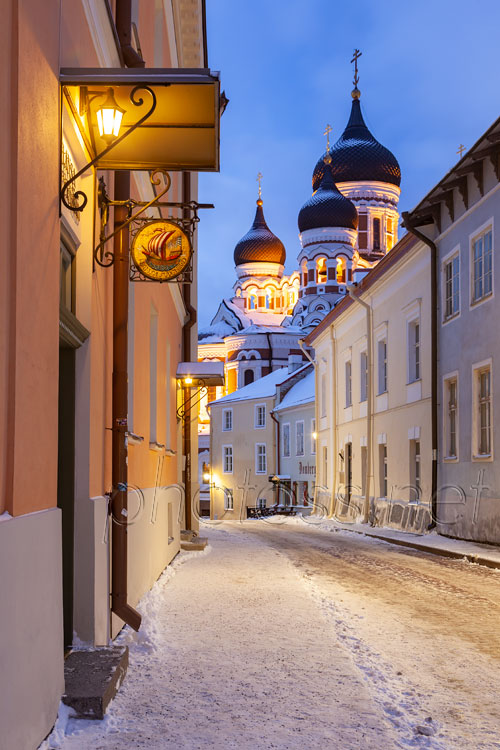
column 133, row 439
column 483, row 457
column 476, row 302
column 451, row 317
column 450, row 459
column 156, row 447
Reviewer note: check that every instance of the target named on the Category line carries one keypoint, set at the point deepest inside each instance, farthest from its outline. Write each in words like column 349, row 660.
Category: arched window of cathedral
column 248, row 377
column 268, row 300
column 321, row 271
column 291, row 298
column 376, row 233
column 341, row 276
column 304, row 273
column 253, row 302
column 389, row 226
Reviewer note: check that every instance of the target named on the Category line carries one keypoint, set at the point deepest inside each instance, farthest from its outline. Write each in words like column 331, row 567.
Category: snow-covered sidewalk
column 234, row 653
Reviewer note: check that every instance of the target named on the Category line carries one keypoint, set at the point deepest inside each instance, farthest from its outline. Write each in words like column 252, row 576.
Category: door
column 348, row 472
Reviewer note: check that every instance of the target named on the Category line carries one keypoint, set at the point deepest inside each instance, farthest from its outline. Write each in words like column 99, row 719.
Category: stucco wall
column 31, row 657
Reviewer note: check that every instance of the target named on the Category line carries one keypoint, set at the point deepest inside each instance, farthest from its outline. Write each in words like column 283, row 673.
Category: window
column 325, row 467
column 482, row 260
column 383, row 469
column 253, row 302
column 451, row 405
column 248, row 377
column 415, row 487
column 451, row 282
column 67, row 278
column 323, row 395
column 413, row 351
column 382, row 366
column 341, row 271
column 483, row 406
column 228, row 499
column 363, row 395
column 389, row 225
column 260, row 416
column 227, row 420
column 376, row 234
column 304, row 273
column 286, row 440
column 153, row 375
column 314, row 437
column 362, row 231
column 321, row 271
column 299, row 438
column 227, row 459
column 260, row 458
column 348, row 384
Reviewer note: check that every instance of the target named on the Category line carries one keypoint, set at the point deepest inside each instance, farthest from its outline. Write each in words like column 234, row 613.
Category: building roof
column 404, row 246
column 357, row 155
column 259, row 244
column 261, row 388
column 327, row 207
column 303, row 392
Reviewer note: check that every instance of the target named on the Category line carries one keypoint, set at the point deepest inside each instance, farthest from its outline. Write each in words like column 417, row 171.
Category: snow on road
column 287, row 636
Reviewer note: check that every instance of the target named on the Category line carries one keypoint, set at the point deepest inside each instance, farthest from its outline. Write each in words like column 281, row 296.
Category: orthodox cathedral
column 347, row 225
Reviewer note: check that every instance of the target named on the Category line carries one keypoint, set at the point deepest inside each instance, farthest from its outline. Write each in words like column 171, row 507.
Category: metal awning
column 201, row 373
column 181, row 132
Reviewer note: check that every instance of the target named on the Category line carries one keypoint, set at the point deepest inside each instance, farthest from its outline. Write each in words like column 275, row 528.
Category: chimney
column 294, row 362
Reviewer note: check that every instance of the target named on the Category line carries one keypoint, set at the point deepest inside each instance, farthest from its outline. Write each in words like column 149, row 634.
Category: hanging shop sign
column 161, row 250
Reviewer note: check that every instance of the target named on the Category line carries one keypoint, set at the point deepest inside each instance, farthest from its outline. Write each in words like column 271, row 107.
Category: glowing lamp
column 109, row 117
column 206, row 477
column 188, row 381
column 315, row 435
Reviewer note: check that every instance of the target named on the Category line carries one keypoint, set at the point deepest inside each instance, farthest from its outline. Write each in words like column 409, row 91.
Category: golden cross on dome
column 259, row 178
column 461, row 149
column 327, row 132
column 354, row 60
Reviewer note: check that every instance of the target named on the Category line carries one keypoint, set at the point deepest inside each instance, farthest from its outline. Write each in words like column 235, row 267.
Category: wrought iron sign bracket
column 79, row 194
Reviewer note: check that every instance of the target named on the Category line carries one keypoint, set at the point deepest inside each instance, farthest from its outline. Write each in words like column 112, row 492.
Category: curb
column 470, row 557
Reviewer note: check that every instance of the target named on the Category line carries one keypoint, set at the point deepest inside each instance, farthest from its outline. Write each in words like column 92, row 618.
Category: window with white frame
column 363, row 366
column 314, row 437
column 482, row 419
column 451, row 287
column 227, row 420
column 286, row 440
column 260, row 458
column 299, row 438
column 228, row 499
column 482, row 265
column 413, row 351
column 227, row 459
column 382, row 366
column 260, row 416
column 415, row 474
column 348, row 384
column 451, row 417
column 323, row 395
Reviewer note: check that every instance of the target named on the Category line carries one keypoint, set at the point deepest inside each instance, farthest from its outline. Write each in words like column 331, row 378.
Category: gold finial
column 327, row 132
column 259, row 178
column 461, row 149
column 356, row 93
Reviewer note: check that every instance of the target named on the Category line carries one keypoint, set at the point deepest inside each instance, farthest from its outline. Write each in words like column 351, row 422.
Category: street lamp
column 109, row 117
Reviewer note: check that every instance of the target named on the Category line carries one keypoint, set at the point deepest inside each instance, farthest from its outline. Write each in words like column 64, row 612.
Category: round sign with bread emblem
column 161, row 250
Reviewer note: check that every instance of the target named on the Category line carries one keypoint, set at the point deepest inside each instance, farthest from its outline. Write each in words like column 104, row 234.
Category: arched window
column 268, row 300
column 248, row 377
column 341, row 277
column 253, row 302
column 321, row 271
column 304, row 273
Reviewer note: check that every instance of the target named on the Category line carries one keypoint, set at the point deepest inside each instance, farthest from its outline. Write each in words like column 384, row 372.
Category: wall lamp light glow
column 188, row 381
column 206, row 477
column 109, row 117
column 315, row 435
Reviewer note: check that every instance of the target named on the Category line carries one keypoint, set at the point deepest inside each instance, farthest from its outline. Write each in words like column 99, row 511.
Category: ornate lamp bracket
column 79, row 194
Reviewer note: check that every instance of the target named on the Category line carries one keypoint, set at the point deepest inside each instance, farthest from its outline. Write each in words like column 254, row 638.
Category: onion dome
column 259, row 244
column 327, row 207
column 357, row 155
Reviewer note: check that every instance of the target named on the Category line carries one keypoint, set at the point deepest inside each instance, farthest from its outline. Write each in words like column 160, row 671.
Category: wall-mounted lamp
column 188, row 381
column 109, row 117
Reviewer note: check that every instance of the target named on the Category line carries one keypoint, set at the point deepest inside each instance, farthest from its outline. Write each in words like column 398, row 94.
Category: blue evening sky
column 428, row 79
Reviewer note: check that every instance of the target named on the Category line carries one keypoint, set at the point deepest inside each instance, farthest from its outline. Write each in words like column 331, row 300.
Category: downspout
column 434, row 362
column 124, row 29
column 277, row 462
column 186, row 349
column 119, row 469
column 369, row 404
column 333, row 427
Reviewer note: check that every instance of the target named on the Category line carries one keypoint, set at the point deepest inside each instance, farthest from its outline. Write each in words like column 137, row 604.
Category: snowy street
column 282, row 635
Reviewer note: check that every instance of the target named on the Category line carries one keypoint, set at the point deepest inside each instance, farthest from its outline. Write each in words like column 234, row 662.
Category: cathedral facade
column 347, row 225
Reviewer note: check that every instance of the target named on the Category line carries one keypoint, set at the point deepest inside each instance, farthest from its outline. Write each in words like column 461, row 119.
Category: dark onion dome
column 259, row 244
column 357, row 155
column 327, row 207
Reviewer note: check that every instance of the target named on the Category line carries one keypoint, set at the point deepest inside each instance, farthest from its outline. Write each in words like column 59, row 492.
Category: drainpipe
column 270, row 351
column 186, row 348
column 277, row 462
column 369, row 404
column 124, row 29
column 434, row 362
column 119, row 469
column 333, row 425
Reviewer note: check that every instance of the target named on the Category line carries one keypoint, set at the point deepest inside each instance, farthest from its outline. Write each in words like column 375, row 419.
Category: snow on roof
column 261, row 388
column 303, row 392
